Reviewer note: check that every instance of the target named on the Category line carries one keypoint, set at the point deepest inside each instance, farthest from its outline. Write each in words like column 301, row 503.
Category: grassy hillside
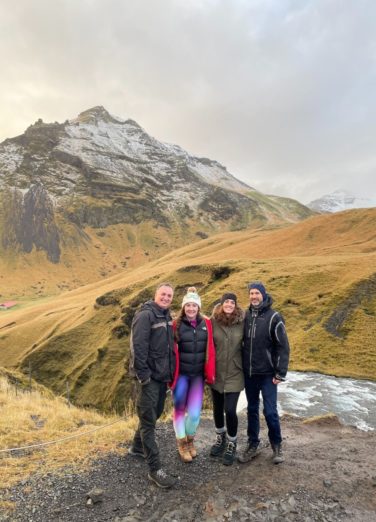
column 84, row 253
column 321, row 274
column 87, row 255
column 35, row 417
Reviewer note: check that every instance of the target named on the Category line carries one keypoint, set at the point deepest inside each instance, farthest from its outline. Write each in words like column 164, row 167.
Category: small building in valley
column 7, row 304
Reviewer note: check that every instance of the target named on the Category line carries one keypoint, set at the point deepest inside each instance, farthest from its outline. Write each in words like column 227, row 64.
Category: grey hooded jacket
column 152, row 344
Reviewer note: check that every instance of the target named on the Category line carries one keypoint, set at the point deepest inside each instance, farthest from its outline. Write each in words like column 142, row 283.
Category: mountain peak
column 340, row 200
column 96, row 114
column 99, row 171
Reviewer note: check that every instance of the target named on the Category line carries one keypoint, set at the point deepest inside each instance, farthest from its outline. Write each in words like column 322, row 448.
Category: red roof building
column 7, row 304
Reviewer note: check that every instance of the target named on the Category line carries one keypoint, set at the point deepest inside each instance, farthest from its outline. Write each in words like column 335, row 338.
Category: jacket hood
column 227, row 320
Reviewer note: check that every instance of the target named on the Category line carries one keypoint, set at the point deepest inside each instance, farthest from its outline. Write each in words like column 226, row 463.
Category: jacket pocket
column 159, row 367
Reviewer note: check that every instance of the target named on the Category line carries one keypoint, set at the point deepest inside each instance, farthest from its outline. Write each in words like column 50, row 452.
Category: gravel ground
column 329, row 475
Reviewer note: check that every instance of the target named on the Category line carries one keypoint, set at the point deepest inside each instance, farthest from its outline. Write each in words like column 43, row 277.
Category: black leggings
column 225, row 404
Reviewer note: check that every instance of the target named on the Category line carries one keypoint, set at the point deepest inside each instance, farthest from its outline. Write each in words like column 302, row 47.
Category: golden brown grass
column 90, row 255
column 311, row 269
column 323, row 420
column 35, row 417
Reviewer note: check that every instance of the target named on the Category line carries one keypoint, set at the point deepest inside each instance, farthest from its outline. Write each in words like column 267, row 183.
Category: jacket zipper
column 227, row 336
column 252, row 335
column 171, row 372
column 194, row 347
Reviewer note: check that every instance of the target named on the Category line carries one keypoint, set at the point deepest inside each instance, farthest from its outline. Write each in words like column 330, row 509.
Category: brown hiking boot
column 183, row 450
column 192, row 450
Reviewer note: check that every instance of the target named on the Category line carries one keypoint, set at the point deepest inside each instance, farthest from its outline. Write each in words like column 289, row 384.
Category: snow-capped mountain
column 340, row 200
column 98, row 170
column 102, row 145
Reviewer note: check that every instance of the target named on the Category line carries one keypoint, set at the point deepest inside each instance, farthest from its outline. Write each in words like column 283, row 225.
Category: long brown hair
column 222, row 318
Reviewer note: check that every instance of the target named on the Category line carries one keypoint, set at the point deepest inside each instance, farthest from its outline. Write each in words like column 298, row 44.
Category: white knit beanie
column 191, row 297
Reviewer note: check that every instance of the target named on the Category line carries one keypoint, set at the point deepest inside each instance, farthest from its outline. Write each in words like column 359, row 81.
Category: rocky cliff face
column 30, row 222
column 98, row 170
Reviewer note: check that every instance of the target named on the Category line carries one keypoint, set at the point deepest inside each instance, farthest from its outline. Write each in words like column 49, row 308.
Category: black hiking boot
column 219, row 446
column 251, row 451
column 277, row 454
column 161, row 478
column 229, row 455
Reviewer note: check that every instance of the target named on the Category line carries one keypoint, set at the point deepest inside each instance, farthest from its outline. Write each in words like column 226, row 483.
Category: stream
column 310, row 394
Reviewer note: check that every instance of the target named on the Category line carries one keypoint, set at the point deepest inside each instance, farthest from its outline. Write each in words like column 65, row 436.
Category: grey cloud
column 279, row 91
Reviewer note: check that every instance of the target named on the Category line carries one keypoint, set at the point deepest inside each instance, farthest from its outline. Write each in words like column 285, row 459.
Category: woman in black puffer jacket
column 196, row 360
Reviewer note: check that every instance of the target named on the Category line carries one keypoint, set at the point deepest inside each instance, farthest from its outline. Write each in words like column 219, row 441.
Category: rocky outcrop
column 362, row 293
column 101, row 170
column 115, row 161
column 30, row 222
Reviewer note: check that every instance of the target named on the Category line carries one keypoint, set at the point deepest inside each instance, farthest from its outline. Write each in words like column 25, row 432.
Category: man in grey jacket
column 153, row 364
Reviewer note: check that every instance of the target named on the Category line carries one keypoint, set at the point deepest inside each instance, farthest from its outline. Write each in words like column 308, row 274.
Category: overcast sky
column 281, row 92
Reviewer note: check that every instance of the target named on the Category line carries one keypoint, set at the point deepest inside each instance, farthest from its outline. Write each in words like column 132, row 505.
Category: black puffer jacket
column 265, row 344
column 192, row 347
column 152, row 344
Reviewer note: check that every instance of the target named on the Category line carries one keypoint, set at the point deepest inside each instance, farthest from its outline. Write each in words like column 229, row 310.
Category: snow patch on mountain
column 340, row 200
column 99, row 170
column 11, row 158
column 119, row 147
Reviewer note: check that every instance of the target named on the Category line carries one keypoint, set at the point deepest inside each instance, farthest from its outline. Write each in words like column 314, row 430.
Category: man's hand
column 276, row 381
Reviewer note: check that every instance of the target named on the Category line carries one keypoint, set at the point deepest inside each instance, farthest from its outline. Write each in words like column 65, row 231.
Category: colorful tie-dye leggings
column 187, row 397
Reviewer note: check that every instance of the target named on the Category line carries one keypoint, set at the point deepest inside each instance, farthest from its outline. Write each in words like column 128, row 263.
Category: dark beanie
column 259, row 286
column 228, row 295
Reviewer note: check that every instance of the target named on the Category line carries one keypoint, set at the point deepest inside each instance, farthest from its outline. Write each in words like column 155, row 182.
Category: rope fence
column 17, row 388
column 76, row 436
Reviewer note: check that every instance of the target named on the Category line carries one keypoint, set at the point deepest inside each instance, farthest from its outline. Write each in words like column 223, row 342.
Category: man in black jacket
column 153, row 363
column 265, row 362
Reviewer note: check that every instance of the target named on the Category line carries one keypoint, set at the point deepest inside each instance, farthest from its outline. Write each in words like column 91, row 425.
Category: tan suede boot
column 183, row 450
column 190, row 446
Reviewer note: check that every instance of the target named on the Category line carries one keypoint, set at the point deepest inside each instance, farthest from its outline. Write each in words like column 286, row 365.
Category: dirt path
column 329, row 475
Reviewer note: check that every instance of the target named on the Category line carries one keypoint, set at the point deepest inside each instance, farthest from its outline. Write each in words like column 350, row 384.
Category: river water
column 310, row 394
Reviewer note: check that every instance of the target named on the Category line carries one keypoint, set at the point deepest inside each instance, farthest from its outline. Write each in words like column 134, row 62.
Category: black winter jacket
column 152, row 344
column 265, row 343
column 192, row 347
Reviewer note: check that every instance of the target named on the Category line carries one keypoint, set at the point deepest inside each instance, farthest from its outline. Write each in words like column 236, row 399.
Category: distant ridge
column 340, row 200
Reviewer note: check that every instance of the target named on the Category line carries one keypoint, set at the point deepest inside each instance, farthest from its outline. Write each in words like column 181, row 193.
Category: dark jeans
column 253, row 386
column 149, row 404
column 225, row 404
